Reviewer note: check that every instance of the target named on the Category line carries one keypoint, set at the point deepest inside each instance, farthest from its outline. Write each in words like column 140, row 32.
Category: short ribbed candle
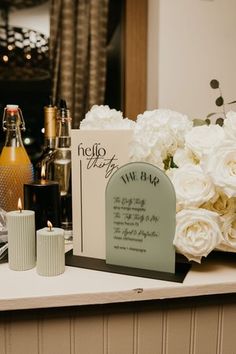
column 21, row 239
column 50, row 251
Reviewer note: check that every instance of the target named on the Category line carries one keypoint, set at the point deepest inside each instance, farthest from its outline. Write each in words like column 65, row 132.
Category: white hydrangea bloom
column 162, row 130
column 104, row 118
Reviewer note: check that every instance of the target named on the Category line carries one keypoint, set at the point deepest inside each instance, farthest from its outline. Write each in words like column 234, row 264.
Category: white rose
column 197, row 233
column 229, row 233
column 221, row 166
column 181, row 158
column 103, row 117
column 222, row 204
column 202, row 140
column 230, row 125
column 192, row 186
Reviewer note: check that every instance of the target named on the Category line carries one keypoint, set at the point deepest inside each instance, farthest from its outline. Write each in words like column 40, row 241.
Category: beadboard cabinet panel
column 21, row 335
column 177, row 334
column 121, row 333
column 89, row 334
column 54, row 334
column 165, row 327
column 205, row 325
column 228, row 328
column 150, row 332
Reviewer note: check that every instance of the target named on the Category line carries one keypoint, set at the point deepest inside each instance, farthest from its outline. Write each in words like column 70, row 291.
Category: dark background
column 32, row 93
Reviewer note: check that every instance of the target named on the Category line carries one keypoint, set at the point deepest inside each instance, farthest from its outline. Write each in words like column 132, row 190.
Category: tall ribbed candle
column 21, row 239
column 50, row 251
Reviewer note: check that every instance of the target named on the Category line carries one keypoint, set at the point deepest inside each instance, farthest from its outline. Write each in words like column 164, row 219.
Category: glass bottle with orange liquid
column 15, row 165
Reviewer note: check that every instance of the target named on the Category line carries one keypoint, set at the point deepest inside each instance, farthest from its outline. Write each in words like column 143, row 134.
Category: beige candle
column 21, row 238
column 50, row 251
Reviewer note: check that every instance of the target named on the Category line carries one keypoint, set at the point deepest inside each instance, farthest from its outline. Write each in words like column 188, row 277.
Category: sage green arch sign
column 140, row 218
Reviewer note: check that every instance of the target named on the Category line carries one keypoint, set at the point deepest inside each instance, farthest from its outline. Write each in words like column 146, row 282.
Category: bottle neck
column 13, row 137
column 13, row 153
column 50, row 113
column 49, row 143
column 13, row 123
column 63, row 133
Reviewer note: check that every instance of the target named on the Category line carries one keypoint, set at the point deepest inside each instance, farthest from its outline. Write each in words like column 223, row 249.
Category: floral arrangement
column 201, row 163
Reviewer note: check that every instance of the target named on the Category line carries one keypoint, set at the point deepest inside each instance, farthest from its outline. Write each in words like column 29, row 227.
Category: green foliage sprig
column 220, row 102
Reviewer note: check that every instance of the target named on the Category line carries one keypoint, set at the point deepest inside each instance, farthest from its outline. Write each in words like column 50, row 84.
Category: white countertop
column 76, row 286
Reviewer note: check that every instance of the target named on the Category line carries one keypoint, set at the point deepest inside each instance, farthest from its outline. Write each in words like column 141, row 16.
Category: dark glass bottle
column 62, row 166
column 45, row 162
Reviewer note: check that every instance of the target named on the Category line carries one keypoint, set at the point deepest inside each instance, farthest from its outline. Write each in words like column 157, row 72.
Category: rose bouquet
column 201, row 163
column 202, row 169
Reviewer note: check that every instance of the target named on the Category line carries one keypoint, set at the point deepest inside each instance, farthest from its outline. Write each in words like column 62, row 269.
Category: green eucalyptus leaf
column 208, row 122
column 214, row 84
column 219, row 101
column 172, row 163
column 197, row 122
column 220, row 121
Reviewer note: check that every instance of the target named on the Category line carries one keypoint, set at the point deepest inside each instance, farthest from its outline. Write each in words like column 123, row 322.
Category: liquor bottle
column 62, row 166
column 45, row 161
column 15, row 165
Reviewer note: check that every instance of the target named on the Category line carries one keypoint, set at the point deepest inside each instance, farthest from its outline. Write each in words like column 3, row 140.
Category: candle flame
column 19, row 205
column 43, row 171
column 49, row 224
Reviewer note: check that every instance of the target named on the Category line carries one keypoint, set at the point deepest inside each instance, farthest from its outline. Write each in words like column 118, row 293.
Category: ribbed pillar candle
column 50, row 251
column 21, row 239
